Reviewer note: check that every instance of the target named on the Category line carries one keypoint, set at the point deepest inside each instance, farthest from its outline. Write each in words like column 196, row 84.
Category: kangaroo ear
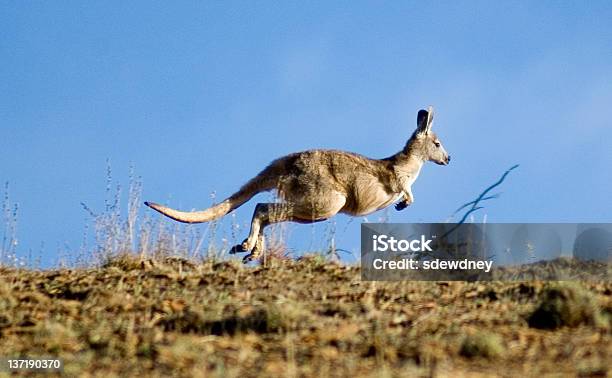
column 424, row 120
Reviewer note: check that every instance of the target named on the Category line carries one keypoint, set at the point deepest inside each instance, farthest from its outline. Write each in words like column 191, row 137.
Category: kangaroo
column 315, row 185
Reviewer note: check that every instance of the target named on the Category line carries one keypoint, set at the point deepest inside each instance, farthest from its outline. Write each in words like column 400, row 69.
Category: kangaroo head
column 425, row 143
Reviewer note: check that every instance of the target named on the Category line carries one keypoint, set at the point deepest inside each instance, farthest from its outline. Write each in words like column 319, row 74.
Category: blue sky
column 199, row 96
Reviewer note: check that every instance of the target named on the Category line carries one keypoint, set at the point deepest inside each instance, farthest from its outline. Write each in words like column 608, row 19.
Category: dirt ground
column 299, row 318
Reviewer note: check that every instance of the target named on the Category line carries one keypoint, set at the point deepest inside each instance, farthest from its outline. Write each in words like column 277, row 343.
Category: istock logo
column 384, row 243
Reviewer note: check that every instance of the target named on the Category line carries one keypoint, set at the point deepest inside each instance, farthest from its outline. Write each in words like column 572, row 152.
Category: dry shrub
column 565, row 305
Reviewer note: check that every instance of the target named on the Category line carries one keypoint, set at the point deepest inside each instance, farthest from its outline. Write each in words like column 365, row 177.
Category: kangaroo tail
column 250, row 189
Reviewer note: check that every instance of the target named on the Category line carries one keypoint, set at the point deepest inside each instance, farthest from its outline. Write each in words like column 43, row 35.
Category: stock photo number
column 31, row 364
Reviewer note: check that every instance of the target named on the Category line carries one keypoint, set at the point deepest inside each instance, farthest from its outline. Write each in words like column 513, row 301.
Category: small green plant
column 481, row 344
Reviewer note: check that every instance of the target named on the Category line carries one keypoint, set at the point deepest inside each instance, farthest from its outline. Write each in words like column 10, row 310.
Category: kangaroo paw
column 254, row 255
column 238, row 248
column 250, row 257
column 401, row 205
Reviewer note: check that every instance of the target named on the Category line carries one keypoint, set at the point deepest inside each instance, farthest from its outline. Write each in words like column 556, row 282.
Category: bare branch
column 482, row 197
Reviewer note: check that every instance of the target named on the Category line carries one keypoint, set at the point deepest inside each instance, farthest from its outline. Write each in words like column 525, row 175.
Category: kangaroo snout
column 443, row 161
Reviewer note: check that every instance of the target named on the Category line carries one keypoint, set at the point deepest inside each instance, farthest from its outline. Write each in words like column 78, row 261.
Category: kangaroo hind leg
column 264, row 215
column 269, row 213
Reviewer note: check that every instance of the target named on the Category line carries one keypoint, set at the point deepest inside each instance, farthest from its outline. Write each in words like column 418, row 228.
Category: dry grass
column 172, row 316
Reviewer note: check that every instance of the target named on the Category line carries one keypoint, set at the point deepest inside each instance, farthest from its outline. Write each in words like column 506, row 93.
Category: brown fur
column 315, row 185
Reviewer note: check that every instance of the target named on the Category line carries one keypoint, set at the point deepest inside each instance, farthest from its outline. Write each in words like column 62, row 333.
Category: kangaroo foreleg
column 407, row 199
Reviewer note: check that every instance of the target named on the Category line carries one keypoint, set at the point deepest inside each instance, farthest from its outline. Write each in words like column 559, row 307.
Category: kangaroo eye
column 437, row 144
